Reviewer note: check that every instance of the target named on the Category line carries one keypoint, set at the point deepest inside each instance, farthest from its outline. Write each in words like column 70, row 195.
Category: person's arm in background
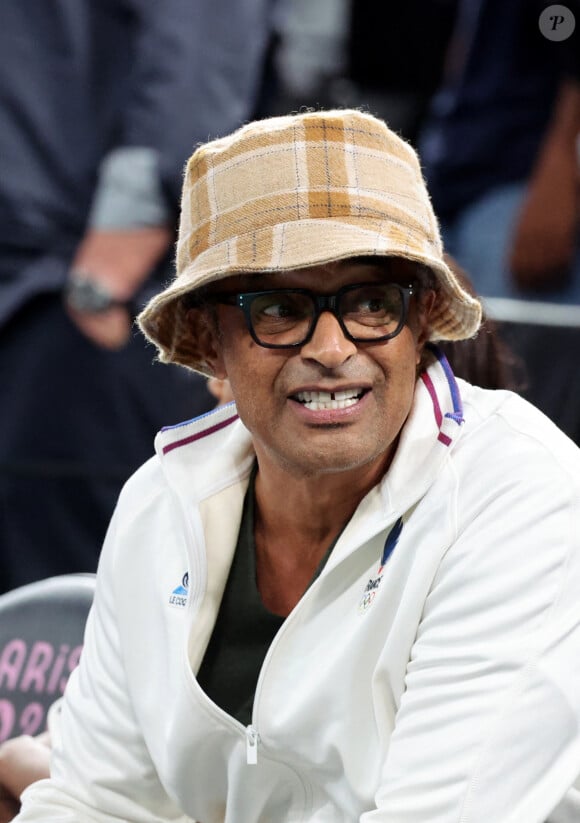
column 545, row 237
column 197, row 71
column 546, row 233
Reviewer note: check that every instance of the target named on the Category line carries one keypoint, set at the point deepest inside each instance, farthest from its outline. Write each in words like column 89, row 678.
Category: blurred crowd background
column 101, row 103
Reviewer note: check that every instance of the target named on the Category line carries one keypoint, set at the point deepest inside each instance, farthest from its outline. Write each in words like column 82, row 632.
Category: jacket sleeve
column 101, row 770
column 195, row 75
column 488, row 728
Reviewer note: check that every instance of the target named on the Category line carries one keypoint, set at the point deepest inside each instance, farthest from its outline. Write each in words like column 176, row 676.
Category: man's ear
column 204, row 323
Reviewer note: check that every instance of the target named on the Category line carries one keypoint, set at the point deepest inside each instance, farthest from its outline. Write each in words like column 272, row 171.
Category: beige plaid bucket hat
column 296, row 191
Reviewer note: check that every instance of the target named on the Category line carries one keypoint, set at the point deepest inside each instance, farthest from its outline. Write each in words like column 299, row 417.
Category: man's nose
column 328, row 344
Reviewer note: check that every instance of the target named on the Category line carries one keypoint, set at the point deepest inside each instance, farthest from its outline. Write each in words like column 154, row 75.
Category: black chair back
column 41, row 636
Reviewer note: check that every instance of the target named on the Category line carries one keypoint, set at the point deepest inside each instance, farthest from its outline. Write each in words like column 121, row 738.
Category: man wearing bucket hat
column 352, row 595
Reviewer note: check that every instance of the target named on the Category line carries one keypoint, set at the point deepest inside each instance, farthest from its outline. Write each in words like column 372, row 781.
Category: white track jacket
column 431, row 674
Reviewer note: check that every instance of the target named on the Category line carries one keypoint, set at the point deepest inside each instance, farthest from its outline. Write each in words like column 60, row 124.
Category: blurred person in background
column 500, row 150
column 395, row 55
column 308, row 54
column 384, row 58
column 100, row 106
column 499, row 138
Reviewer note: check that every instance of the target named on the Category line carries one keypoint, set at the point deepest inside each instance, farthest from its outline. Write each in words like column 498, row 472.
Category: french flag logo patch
column 372, row 586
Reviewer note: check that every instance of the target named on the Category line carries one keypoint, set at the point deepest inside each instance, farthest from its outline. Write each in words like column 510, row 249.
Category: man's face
column 272, row 387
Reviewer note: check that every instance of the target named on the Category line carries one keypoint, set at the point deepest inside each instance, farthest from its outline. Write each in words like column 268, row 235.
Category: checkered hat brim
column 292, row 192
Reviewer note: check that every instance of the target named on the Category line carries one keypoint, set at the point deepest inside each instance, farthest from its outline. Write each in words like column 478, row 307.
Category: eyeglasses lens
column 282, row 318
column 368, row 312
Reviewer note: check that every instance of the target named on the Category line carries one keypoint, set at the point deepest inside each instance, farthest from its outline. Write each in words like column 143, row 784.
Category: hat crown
column 345, row 166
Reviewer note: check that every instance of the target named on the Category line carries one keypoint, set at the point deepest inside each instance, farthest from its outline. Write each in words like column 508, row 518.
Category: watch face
column 88, row 296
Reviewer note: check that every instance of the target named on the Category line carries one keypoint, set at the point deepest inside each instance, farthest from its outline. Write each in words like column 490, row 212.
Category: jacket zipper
column 252, row 740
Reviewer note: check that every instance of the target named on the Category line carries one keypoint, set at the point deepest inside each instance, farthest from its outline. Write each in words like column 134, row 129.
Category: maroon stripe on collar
column 199, row 435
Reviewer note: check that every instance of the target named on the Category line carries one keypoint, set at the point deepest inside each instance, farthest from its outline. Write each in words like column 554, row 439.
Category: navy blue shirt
column 491, row 113
column 80, row 78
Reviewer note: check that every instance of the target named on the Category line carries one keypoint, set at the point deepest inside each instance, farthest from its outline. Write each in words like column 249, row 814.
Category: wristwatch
column 88, row 296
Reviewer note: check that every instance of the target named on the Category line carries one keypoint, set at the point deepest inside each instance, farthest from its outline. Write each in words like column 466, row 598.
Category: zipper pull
column 252, row 740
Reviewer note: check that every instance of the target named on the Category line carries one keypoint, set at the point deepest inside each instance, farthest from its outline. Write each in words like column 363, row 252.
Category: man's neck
column 313, row 508
column 297, row 518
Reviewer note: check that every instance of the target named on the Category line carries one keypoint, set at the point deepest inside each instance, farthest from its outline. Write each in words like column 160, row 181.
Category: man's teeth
column 318, row 400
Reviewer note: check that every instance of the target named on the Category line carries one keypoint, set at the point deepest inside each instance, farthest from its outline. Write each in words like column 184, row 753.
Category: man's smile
column 324, row 400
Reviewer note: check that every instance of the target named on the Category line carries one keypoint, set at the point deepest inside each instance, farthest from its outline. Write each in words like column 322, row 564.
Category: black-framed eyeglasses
column 286, row 318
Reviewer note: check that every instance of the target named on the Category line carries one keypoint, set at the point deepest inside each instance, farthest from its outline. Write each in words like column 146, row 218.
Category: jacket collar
column 214, row 451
